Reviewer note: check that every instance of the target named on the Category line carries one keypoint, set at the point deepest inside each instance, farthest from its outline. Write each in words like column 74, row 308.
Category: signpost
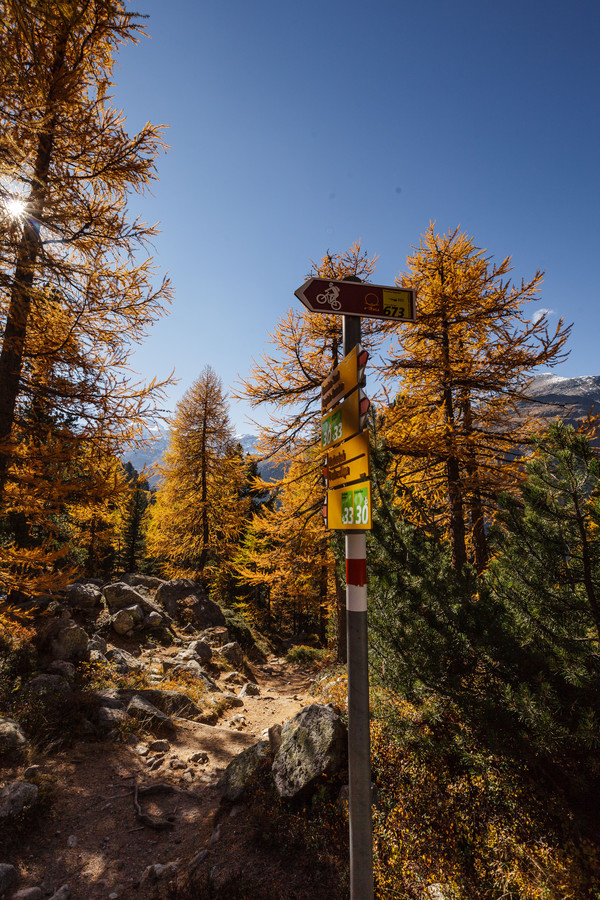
column 353, row 298
column 348, row 508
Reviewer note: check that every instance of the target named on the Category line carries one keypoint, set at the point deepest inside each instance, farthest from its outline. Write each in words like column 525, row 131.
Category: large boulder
column 199, row 651
column 313, row 743
column 148, row 715
column 84, row 595
column 242, row 770
column 123, row 661
column 233, row 653
column 122, row 621
column 13, row 742
column 62, row 638
column 150, row 582
column 187, row 602
column 15, row 797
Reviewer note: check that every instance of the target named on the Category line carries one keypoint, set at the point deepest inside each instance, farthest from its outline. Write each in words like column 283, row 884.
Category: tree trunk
column 15, row 332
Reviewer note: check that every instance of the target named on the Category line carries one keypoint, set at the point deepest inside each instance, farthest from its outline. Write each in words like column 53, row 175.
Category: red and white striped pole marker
column 359, row 739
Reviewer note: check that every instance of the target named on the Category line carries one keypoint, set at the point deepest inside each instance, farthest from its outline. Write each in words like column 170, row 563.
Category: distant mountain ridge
column 158, row 439
column 571, row 399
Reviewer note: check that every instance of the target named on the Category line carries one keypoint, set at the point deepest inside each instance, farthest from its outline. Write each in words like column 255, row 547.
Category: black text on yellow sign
column 344, row 378
column 348, row 461
column 349, row 509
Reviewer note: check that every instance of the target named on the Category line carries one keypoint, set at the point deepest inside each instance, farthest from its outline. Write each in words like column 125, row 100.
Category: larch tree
column 76, row 281
column 459, row 378
column 306, row 346
column 285, row 565
column 199, row 512
column 288, row 378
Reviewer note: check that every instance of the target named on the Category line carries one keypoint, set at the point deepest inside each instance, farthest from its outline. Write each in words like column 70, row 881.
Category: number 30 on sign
column 350, row 509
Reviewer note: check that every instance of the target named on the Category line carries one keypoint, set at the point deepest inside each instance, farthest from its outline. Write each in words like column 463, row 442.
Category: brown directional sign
column 348, row 462
column 344, row 378
column 350, row 298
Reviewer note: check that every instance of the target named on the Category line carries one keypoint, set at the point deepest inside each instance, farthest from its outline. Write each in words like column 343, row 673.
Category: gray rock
column 198, row 757
column 148, row 714
column 15, row 797
column 113, row 697
column 30, row 893
column 159, row 746
column 8, row 878
column 158, row 872
column 122, row 621
column 120, row 595
column 250, row 690
column 437, row 892
column 198, row 650
column 313, row 744
column 194, row 669
column 108, row 718
column 233, row 653
column 242, row 770
column 12, row 738
column 233, row 678
column 98, row 643
column 232, row 700
column 84, row 596
column 63, row 893
column 67, row 640
column 48, row 685
column 154, row 619
column 150, row 582
column 188, row 602
column 62, row 667
column 136, row 612
column 123, row 661
column 98, row 658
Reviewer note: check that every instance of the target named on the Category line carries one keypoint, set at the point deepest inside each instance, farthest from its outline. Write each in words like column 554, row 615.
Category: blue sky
column 295, row 129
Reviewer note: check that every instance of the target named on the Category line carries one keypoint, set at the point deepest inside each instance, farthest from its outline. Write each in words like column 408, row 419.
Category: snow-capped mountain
column 569, row 398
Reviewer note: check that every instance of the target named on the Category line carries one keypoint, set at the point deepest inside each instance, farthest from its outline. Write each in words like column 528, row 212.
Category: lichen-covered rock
column 46, row 685
column 233, row 653
column 62, row 638
column 13, row 742
column 313, row 744
column 188, row 602
column 84, row 595
column 120, row 595
column 123, row 661
column 15, row 797
column 122, row 622
column 242, row 770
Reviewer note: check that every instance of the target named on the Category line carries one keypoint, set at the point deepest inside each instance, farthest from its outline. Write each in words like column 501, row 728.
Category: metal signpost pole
column 359, row 744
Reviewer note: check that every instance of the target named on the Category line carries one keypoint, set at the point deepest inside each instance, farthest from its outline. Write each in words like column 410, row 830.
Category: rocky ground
column 90, row 837
column 126, row 814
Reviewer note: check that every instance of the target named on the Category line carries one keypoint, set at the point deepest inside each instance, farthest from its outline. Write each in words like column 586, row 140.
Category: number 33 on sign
column 349, row 509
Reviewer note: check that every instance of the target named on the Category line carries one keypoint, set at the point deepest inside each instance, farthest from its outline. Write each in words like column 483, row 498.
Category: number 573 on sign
column 349, row 509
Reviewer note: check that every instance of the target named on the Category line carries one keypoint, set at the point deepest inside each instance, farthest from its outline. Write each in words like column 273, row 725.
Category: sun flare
column 15, row 208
